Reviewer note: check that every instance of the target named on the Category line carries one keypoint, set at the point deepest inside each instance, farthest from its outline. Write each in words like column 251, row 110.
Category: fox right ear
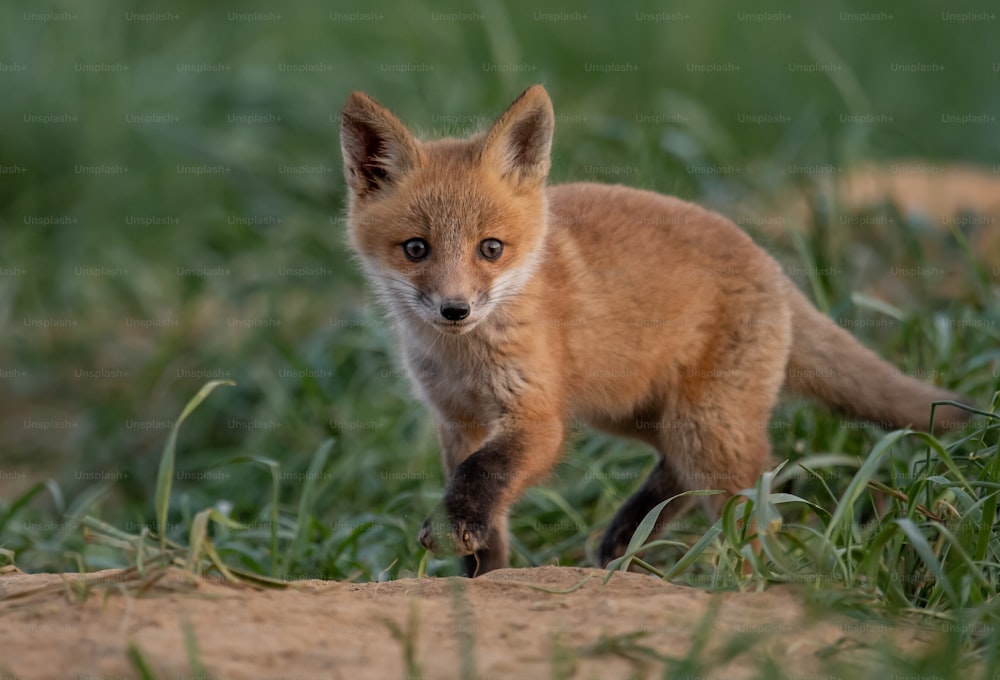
column 520, row 142
column 377, row 148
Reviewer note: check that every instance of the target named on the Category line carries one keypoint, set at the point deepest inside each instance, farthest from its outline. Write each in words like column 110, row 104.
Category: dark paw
column 444, row 536
column 614, row 543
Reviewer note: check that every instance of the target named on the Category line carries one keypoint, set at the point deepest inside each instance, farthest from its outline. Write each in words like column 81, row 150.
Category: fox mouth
column 453, row 327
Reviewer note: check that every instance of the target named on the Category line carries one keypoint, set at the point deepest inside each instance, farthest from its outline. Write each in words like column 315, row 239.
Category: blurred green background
column 171, row 211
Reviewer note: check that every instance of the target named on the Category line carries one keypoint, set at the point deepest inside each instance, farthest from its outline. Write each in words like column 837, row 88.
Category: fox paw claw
column 459, row 537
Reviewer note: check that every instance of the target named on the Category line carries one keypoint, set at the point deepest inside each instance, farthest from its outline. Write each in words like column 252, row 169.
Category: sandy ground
column 506, row 623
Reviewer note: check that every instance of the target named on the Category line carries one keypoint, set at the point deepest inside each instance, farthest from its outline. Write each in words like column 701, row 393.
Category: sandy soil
column 320, row 629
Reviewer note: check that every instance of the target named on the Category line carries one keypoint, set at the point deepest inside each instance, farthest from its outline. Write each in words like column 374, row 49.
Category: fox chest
column 466, row 382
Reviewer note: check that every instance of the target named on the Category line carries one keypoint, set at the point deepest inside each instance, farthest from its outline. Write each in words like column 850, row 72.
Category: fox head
column 449, row 230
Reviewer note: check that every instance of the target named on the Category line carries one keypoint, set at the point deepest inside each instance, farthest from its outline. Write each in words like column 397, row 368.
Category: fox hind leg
column 661, row 483
column 711, row 451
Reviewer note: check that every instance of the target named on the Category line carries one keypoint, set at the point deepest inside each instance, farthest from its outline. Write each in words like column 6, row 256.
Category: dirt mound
column 508, row 624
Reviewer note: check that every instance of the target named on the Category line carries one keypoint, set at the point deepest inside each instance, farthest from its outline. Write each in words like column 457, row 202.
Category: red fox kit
column 521, row 307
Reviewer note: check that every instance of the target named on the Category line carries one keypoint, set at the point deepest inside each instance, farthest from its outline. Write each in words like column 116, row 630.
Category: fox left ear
column 520, row 142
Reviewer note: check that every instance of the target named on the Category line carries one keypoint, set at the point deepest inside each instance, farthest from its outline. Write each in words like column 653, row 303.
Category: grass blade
column 845, row 508
column 275, row 469
column 305, row 502
column 139, row 663
column 926, row 554
column 647, row 525
column 165, row 476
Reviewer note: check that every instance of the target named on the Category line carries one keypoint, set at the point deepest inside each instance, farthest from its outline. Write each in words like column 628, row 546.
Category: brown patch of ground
column 506, row 623
column 952, row 196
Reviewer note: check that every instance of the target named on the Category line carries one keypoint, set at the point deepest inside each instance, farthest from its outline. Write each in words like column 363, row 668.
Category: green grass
column 319, row 462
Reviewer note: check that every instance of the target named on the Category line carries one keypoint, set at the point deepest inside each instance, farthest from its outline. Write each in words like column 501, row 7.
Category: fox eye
column 491, row 248
column 416, row 249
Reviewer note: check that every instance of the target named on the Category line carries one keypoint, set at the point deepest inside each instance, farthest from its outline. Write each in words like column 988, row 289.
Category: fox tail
column 828, row 364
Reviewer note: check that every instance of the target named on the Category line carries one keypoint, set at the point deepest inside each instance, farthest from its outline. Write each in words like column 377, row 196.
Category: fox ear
column 520, row 142
column 378, row 149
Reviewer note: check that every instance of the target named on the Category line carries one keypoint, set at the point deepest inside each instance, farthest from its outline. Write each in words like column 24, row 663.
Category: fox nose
column 454, row 310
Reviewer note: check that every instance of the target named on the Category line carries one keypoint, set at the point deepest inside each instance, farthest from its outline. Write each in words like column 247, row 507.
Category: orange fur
column 642, row 314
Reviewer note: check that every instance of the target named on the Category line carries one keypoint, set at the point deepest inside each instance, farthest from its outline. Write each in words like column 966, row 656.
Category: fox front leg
column 472, row 520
